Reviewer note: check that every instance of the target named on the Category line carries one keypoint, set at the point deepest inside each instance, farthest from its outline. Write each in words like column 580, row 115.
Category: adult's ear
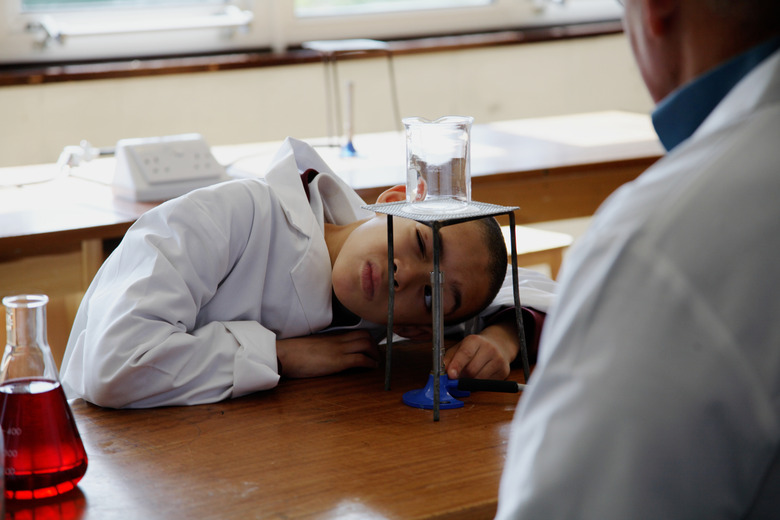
column 394, row 194
column 414, row 332
column 659, row 15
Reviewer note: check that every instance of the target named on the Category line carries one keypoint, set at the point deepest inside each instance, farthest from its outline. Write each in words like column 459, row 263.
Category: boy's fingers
column 453, row 365
column 474, row 357
column 457, row 358
column 360, row 342
column 358, row 350
column 361, row 361
column 367, row 350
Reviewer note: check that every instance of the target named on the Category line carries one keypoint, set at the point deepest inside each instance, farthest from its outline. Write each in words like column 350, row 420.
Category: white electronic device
column 160, row 168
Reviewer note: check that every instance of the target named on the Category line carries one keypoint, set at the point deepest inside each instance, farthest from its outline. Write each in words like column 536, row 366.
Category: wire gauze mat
column 472, row 210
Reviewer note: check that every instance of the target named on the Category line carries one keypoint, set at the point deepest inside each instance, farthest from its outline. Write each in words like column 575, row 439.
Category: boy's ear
column 414, row 332
column 394, row 194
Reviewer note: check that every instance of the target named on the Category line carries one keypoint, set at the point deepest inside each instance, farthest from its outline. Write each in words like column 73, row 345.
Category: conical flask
column 44, row 455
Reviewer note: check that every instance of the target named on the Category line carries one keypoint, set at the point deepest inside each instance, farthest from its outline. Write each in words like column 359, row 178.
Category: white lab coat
column 657, row 390
column 188, row 308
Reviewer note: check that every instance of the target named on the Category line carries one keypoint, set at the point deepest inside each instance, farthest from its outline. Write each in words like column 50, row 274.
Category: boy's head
column 473, row 260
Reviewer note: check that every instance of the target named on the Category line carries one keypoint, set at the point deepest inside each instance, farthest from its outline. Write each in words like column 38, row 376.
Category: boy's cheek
column 404, row 314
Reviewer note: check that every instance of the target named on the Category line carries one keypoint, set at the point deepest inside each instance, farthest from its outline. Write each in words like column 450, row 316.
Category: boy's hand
column 486, row 355
column 323, row 354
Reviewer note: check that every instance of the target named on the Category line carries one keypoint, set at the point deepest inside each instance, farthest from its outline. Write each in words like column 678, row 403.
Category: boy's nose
column 410, row 274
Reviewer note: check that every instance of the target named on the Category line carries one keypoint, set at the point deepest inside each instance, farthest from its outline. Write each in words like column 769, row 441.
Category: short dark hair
column 493, row 241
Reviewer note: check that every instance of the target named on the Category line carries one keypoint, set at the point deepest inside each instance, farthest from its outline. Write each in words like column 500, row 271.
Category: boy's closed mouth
column 369, row 280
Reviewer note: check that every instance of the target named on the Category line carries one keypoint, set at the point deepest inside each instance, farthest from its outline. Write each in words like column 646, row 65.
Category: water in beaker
column 438, row 163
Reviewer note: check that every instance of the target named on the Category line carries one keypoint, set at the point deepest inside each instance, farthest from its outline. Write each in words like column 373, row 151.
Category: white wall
column 228, row 107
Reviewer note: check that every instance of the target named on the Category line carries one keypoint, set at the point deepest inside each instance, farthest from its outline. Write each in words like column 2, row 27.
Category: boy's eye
column 428, row 297
column 420, row 243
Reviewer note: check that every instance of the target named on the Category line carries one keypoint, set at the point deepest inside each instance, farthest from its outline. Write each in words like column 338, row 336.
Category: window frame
column 276, row 27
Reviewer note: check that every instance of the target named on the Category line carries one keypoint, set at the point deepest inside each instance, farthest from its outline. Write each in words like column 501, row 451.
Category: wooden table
column 337, row 447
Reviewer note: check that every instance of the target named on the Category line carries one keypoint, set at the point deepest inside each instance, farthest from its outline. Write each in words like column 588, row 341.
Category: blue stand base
column 448, row 391
column 348, row 150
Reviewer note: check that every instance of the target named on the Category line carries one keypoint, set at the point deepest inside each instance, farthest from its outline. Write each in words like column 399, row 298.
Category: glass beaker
column 438, row 163
column 44, row 455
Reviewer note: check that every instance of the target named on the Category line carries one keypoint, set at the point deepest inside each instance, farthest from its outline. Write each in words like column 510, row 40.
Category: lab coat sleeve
column 537, row 295
column 536, row 292
column 535, row 289
column 137, row 341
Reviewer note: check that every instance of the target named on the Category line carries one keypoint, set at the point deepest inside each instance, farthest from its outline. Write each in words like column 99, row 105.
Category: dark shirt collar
column 306, row 178
column 680, row 113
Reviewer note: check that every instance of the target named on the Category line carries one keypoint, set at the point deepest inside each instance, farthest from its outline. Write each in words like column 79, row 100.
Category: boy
column 217, row 293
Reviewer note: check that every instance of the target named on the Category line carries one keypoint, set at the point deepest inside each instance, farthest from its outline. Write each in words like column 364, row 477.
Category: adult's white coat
column 657, row 390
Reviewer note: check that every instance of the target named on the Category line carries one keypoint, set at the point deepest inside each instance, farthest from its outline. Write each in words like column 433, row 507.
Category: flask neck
column 26, row 327
column 27, row 353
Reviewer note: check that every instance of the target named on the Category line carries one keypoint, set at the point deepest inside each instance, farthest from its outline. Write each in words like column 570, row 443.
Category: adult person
column 657, row 389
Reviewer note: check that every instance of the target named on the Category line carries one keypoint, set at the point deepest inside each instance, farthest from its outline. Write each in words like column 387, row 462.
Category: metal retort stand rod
column 474, row 211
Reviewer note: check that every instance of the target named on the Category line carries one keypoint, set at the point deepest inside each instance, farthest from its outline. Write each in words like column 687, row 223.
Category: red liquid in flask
column 44, row 455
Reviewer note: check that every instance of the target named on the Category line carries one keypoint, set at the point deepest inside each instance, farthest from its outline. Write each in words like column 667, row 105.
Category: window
column 77, row 30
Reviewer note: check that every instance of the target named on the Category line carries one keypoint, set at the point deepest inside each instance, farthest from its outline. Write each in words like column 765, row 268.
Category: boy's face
column 360, row 275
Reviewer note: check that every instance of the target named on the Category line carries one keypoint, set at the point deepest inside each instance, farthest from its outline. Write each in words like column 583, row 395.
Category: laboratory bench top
column 332, row 447
column 552, row 167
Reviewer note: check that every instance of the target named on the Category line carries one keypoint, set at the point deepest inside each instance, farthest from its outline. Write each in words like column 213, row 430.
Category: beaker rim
column 442, row 120
column 25, row 301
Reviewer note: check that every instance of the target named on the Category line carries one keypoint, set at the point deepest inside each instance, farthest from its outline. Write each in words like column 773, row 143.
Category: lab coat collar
column 330, row 198
column 679, row 115
column 759, row 88
column 284, row 176
column 335, row 202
